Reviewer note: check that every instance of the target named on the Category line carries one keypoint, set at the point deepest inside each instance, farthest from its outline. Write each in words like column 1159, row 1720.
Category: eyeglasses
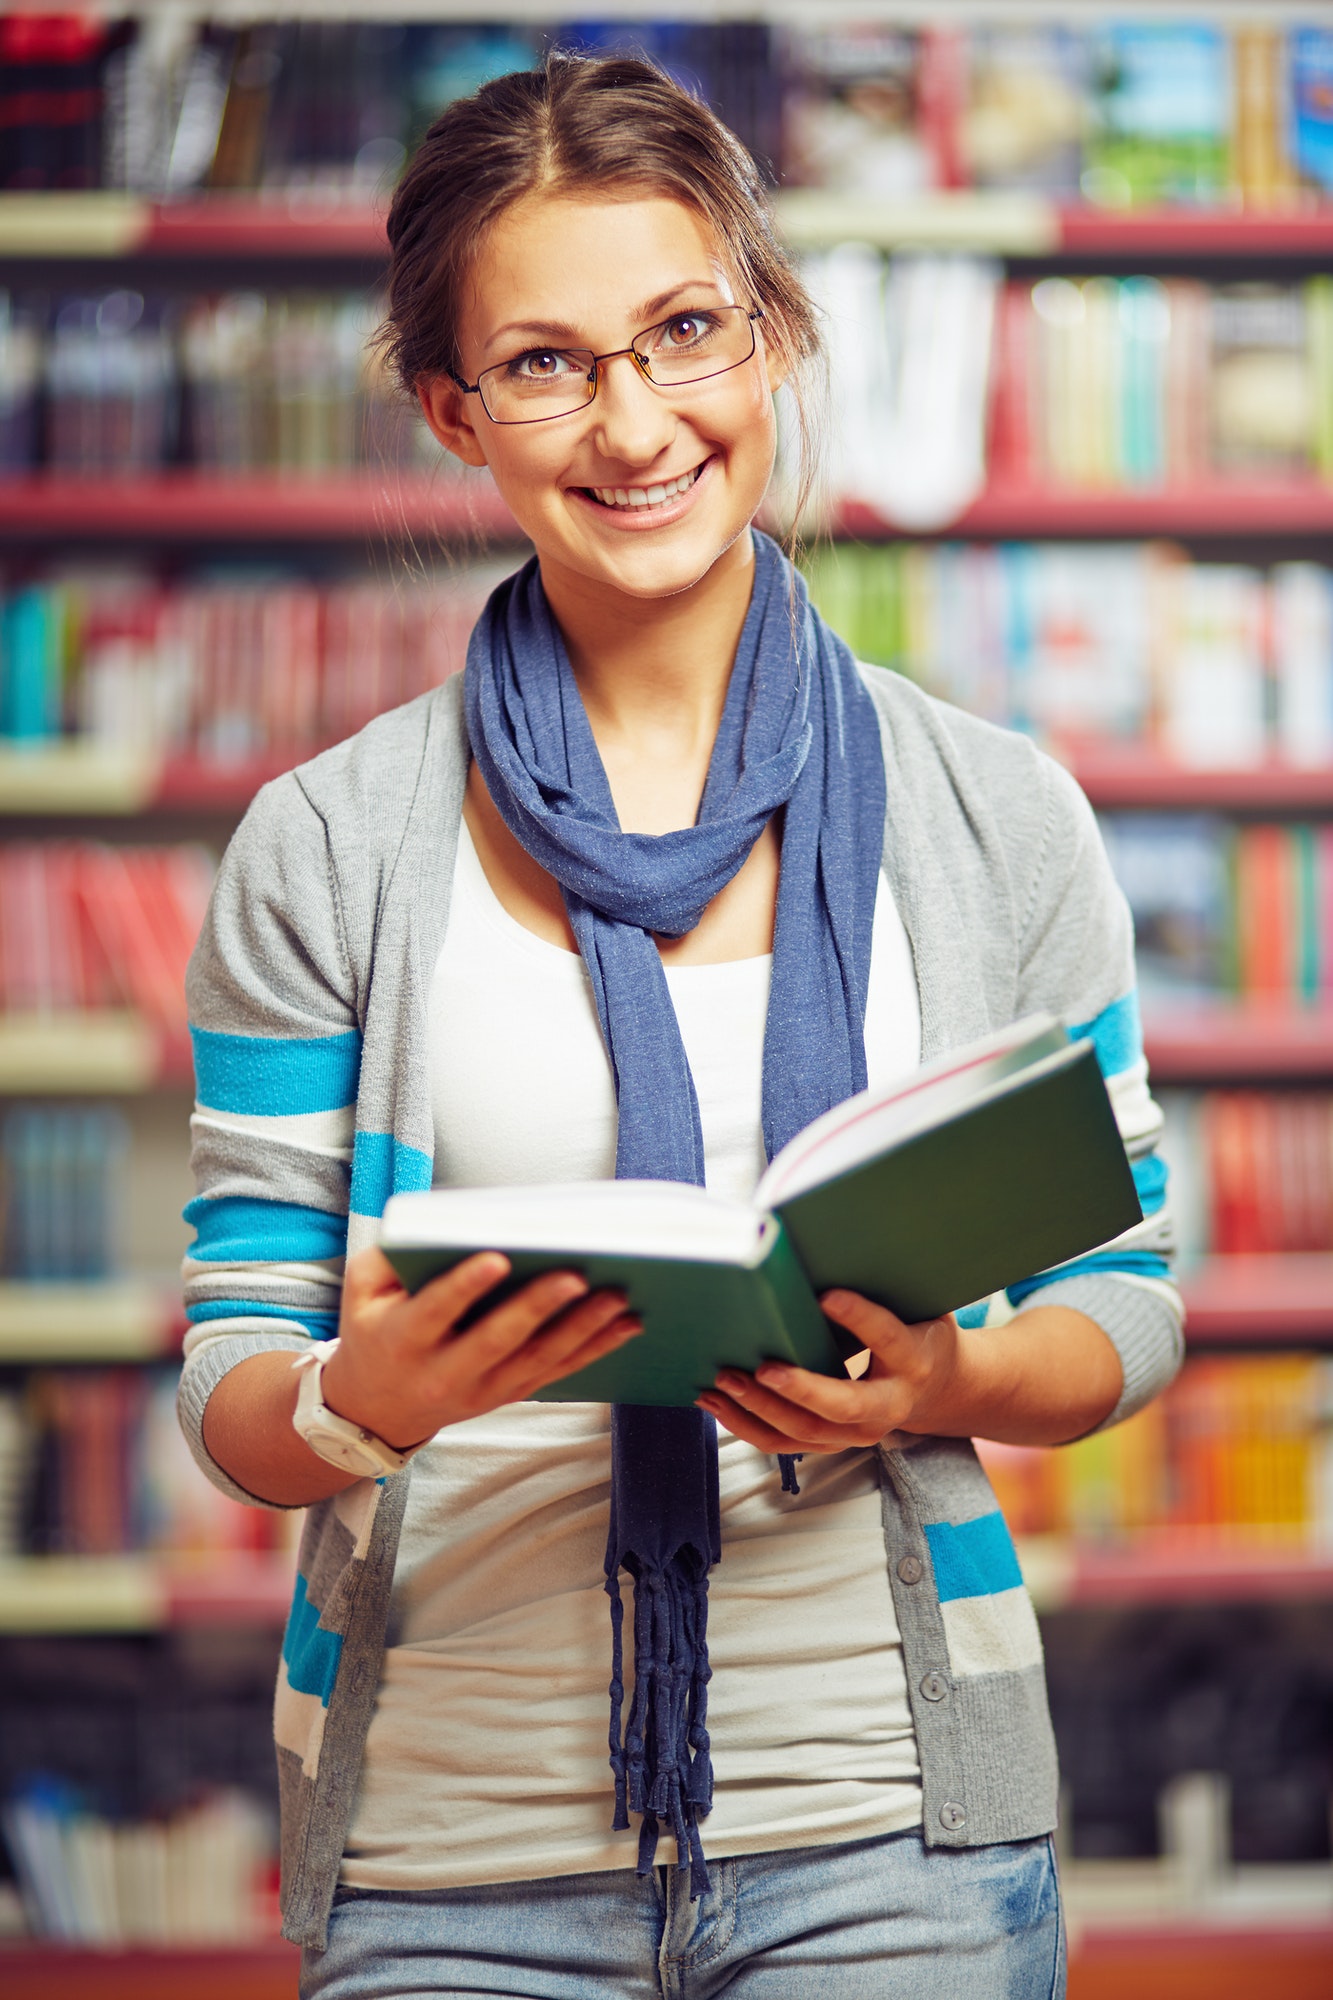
column 546, row 382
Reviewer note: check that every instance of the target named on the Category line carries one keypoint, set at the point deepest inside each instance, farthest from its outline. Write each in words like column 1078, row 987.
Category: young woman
column 663, row 876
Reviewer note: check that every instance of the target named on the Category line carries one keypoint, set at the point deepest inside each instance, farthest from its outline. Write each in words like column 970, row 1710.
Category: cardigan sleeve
column 1076, row 961
column 277, row 1056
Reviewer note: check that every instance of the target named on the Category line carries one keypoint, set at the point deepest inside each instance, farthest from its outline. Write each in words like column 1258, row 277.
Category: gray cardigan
column 307, row 1000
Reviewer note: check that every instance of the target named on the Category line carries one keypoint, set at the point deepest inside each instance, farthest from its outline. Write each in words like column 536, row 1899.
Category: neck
column 653, row 672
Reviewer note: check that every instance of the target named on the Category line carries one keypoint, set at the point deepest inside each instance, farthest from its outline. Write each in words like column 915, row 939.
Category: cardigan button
column 934, row 1686
column 952, row 1817
column 911, row 1569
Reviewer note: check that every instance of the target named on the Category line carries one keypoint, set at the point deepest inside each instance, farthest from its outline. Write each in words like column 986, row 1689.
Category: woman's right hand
column 403, row 1370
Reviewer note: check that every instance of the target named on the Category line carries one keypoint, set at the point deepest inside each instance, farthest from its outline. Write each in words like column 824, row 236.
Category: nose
column 632, row 421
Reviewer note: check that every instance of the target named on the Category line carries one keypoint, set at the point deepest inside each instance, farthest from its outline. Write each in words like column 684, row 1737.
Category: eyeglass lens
column 554, row 382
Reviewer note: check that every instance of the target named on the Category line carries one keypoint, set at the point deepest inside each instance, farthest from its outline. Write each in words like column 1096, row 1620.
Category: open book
column 997, row 1162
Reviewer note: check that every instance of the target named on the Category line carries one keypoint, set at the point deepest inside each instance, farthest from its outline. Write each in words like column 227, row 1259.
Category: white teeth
column 645, row 496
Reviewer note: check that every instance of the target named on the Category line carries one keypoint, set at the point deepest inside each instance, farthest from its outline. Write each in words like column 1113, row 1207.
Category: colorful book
column 1000, row 1160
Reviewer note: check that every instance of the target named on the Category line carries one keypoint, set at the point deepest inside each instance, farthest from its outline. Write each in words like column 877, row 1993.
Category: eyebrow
column 561, row 330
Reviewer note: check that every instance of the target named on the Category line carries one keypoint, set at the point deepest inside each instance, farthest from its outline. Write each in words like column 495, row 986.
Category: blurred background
column 1077, row 267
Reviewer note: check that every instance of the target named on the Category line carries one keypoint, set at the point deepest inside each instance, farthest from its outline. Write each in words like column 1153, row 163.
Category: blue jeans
column 888, row 1919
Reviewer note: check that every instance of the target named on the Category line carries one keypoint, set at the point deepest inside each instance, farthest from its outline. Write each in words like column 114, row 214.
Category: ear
column 775, row 368
column 449, row 413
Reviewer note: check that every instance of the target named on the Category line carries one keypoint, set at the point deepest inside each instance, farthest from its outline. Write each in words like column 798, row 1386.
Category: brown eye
column 685, row 331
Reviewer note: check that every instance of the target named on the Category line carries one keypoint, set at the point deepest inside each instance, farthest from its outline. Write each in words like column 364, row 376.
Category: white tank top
column 486, row 1759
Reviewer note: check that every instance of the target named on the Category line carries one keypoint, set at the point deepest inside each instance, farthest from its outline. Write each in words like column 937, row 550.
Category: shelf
column 313, row 226
column 1218, row 1041
column 1129, row 775
column 120, row 1320
column 1202, row 1961
column 193, row 507
column 142, row 1593
column 1260, row 1301
column 73, row 1053
column 1234, row 510
column 213, row 1972
column 1170, row 1570
column 67, row 779
column 1030, row 226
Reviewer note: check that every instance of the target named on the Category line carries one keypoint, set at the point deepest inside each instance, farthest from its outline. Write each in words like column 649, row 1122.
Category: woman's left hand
column 905, row 1388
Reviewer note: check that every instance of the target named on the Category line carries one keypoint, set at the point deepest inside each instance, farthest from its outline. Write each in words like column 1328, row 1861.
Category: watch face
column 345, row 1452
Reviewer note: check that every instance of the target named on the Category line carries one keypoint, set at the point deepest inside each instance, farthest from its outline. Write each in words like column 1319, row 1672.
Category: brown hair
column 581, row 124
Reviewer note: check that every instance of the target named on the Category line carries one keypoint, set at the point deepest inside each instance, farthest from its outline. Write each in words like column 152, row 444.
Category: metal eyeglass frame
column 475, row 389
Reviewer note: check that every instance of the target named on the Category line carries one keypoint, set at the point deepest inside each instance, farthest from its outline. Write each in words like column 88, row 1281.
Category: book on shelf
column 200, row 1875
column 93, row 1463
column 226, row 666
column 1251, row 1172
column 997, row 1161
column 1219, row 666
column 1242, row 910
column 86, row 926
column 1234, row 1453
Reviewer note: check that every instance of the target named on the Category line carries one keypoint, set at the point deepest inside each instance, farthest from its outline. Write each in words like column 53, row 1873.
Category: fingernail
column 734, row 1385
column 773, row 1373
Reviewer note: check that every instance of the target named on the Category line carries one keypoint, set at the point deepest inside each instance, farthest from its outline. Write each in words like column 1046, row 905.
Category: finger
column 745, row 1425
column 622, row 1329
column 509, row 1325
column 875, row 1326
column 563, row 1334
column 368, row 1274
column 841, row 1401
column 439, row 1305
column 777, row 1412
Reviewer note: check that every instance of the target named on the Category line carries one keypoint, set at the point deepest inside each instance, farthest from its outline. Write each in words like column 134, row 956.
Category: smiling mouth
column 642, row 499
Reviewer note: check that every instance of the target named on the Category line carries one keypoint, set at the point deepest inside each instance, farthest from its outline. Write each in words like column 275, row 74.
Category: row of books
column 1222, row 908
column 120, row 383
column 86, row 925
column 168, row 106
column 1127, row 382
column 202, row 1875
column 1238, row 1448
column 1218, row 664
column 1112, row 111
column 1251, row 1171
column 61, row 1178
column 229, row 666
column 93, row 1463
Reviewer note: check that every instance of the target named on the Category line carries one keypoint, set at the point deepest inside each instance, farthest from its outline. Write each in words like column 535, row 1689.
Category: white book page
column 873, row 1121
column 624, row 1218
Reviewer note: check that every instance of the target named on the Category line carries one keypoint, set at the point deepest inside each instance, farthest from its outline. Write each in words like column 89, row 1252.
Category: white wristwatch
column 333, row 1438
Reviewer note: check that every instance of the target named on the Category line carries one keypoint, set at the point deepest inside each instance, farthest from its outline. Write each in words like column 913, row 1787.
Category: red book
column 1265, row 910
column 941, row 100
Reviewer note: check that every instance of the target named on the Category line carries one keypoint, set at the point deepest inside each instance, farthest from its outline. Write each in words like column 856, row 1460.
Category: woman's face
column 585, row 273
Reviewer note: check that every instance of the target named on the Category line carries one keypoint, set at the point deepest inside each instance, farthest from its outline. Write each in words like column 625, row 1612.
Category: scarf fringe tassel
column 662, row 1766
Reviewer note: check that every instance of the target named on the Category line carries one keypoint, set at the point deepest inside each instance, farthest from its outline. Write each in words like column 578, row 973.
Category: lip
column 642, row 520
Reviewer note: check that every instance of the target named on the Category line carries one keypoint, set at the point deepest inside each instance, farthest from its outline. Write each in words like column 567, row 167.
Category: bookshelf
column 190, row 507
column 85, row 1053
column 283, row 243
column 1019, row 227
column 122, row 1319
column 142, row 1592
column 1248, row 1040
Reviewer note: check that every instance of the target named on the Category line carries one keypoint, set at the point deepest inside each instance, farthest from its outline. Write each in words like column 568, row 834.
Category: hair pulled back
column 609, row 127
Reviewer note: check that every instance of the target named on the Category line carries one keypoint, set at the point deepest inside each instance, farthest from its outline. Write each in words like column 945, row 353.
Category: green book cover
column 982, row 1170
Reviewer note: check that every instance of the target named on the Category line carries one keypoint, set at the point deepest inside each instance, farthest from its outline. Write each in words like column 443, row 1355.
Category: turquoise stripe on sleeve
column 382, row 1165
column 1150, row 1179
column 973, row 1558
column 241, row 1229
column 310, row 1655
column 261, row 1077
column 320, row 1326
column 1116, row 1034
column 1101, row 1264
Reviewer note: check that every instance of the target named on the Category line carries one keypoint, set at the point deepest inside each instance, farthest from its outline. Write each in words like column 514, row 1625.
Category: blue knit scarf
column 799, row 734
